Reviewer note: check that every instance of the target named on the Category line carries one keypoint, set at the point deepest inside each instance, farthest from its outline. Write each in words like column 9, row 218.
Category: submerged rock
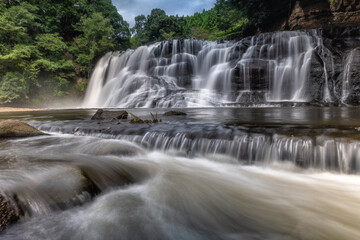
column 64, row 189
column 67, row 188
column 102, row 115
column 13, row 128
column 174, row 113
column 9, row 212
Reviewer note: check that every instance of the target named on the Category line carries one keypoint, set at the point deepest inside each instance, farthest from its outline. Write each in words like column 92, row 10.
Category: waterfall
column 323, row 152
column 346, row 76
column 264, row 69
column 326, row 57
column 93, row 93
column 327, row 96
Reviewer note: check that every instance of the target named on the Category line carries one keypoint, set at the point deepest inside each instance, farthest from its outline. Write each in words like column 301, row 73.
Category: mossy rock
column 13, row 129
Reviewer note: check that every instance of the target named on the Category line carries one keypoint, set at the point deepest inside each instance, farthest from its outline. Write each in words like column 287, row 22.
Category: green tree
column 121, row 31
column 13, row 87
column 47, row 45
column 140, row 34
column 93, row 42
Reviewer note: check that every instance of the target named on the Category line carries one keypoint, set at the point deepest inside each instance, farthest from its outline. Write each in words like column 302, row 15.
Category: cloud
column 129, row 9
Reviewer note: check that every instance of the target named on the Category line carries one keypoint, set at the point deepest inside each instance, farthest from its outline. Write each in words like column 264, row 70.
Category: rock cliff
column 309, row 14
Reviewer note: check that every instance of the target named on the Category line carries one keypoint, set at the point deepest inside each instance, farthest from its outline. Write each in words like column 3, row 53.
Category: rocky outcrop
column 12, row 128
column 308, row 14
column 341, row 55
column 102, row 115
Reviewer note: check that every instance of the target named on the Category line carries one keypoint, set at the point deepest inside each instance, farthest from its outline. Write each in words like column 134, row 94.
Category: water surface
column 216, row 173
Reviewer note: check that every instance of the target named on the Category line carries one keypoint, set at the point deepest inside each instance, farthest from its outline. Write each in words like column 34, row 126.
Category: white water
column 175, row 197
column 322, row 152
column 347, row 76
column 192, row 73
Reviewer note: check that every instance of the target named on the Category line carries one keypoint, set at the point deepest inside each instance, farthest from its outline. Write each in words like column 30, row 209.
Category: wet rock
column 102, row 115
column 174, row 113
column 61, row 190
column 76, row 129
column 13, row 128
column 136, row 120
column 9, row 212
column 308, row 14
column 115, row 173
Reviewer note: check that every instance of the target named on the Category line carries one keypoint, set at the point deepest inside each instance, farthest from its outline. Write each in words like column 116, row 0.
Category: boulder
column 67, row 188
column 102, row 115
column 64, row 189
column 9, row 212
column 13, row 128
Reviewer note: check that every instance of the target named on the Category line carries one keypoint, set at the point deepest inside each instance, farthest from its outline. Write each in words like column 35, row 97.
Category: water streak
column 345, row 92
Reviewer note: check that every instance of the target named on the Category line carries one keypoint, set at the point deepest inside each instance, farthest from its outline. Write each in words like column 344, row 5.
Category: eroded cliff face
column 309, row 14
column 338, row 56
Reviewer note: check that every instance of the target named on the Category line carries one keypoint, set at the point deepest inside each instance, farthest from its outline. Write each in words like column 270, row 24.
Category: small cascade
column 327, row 59
column 246, row 146
column 94, row 90
column 327, row 96
column 346, row 76
column 104, row 189
column 268, row 68
column 290, row 57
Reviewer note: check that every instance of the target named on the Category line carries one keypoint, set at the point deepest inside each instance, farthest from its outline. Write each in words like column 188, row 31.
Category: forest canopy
column 226, row 20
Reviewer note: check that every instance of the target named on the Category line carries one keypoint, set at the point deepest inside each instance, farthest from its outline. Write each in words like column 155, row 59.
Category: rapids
column 176, row 197
column 234, row 173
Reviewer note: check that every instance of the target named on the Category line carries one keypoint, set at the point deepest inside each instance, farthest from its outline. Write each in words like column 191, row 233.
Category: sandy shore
column 9, row 109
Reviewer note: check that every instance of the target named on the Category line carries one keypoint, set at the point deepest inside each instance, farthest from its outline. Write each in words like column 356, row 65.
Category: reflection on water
column 214, row 174
column 309, row 116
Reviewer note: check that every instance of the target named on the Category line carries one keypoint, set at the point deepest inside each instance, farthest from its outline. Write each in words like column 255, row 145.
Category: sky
column 129, row 9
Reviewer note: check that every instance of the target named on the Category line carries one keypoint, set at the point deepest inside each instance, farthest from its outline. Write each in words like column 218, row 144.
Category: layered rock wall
column 321, row 14
column 310, row 14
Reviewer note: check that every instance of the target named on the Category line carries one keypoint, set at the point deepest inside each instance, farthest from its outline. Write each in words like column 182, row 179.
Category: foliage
column 169, row 36
column 93, row 42
column 226, row 20
column 13, row 87
column 46, row 45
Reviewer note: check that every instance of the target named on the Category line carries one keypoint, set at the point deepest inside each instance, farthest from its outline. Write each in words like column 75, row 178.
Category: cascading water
column 272, row 67
column 347, row 76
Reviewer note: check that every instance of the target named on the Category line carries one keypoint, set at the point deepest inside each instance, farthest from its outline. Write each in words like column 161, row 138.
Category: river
column 216, row 173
